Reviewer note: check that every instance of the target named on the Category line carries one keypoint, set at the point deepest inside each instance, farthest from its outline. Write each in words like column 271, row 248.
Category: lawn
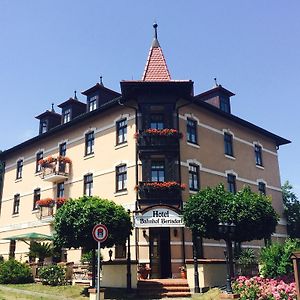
column 212, row 294
column 40, row 292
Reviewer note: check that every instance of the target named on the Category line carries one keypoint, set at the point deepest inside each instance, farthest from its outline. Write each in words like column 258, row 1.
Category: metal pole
column 98, row 274
column 228, row 276
column 128, row 265
column 196, row 274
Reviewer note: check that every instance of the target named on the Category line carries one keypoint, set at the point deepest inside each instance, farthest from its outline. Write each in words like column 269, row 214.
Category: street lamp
column 227, row 231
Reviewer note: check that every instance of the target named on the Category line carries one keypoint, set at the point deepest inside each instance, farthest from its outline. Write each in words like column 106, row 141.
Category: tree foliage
column 276, row 259
column 292, row 210
column 252, row 213
column 75, row 220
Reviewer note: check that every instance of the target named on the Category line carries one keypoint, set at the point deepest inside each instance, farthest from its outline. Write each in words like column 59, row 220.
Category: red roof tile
column 156, row 68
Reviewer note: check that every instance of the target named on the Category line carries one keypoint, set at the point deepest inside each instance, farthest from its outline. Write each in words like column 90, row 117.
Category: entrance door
column 160, row 253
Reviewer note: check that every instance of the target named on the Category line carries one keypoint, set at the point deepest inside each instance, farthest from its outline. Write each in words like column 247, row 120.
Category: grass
column 71, row 292
column 212, row 294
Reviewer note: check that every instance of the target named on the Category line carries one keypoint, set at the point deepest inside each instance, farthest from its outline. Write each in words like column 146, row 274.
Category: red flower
column 165, row 185
column 45, row 202
column 61, row 200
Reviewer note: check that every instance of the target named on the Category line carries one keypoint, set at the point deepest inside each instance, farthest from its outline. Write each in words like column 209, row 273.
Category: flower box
column 47, row 202
column 166, row 189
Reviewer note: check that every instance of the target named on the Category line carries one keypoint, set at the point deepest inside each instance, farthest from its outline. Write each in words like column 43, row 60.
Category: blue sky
column 50, row 48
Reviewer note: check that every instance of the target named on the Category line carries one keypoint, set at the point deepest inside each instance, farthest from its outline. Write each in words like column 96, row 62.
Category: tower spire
column 155, row 43
column 156, row 67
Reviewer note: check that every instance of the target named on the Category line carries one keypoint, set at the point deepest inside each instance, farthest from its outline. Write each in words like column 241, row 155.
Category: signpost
column 100, row 234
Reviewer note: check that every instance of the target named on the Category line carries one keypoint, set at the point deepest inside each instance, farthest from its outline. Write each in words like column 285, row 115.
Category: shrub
column 12, row 271
column 53, row 275
column 247, row 262
column 263, row 288
column 275, row 259
column 1, row 259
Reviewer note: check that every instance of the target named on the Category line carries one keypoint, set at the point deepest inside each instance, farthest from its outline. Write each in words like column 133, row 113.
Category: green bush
column 12, row 271
column 53, row 275
column 275, row 259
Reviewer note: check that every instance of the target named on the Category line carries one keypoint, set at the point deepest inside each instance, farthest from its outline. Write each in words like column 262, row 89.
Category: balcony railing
column 160, row 192
column 55, row 169
column 163, row 138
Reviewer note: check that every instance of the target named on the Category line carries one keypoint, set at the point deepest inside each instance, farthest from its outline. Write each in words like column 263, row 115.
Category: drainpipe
column 179, row 173
column 136, row 169
column 2, row 172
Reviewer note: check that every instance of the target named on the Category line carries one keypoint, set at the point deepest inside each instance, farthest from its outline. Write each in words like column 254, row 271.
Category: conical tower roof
column 156, row 68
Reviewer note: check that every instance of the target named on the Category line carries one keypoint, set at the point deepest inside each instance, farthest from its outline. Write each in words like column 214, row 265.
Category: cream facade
column 115, row 156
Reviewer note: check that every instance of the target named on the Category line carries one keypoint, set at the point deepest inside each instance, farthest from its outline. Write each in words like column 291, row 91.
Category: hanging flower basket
column 47, row 202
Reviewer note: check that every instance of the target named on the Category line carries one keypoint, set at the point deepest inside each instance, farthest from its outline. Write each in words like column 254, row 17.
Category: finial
column 155, row 30
column 75, row 95
column 52, row 107
column 216, row 83
column 155, row 43
column 101, row 81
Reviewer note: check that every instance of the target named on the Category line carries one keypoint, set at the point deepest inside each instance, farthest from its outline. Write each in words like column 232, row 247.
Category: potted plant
column 143, row 271
column 182, row 270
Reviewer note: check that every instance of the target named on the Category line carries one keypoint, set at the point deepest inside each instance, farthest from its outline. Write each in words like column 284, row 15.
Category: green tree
column 252, row 213
column 292, row 210
column 75, row 220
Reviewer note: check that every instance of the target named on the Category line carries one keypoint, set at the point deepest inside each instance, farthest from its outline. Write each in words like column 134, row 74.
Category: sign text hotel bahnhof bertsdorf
column 158, row 217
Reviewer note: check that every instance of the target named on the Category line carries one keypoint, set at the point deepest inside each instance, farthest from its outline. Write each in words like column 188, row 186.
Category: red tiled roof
column 156, row 68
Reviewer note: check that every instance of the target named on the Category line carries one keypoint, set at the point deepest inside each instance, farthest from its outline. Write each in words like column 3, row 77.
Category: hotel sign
column 158, row 217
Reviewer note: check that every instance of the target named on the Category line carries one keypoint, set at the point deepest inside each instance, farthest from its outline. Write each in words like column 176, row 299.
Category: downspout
column 2, row 172
column 179, row 173
column 136, row 170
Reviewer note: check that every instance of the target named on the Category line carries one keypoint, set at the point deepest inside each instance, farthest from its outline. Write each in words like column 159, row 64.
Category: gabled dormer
column 217, row 96
column 48, row 120
column 71, row 108
column 98, row 95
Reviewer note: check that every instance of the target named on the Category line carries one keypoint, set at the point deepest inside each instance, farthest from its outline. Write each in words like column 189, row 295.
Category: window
column 89, row 143
column 194, row 177
column 43, row 126
column 228, row 145
column 157, row 121
column 16, row 204
column 38, row 167
column 92, row 103
column 157, row 171
column 262, row 187
column 121, row 131
column 224, row 105
column 121, row 178
column 60, row 190
column 36, row 197
column 19, row 169
column 231, row 183
column 191, row 129
column 66, row 115
column 258, row 155
column 63, row 149
column 88, row 185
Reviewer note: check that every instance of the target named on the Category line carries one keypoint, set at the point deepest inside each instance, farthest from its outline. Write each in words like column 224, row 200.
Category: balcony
column 154, row 140
column 163, row 193
column 55, row 169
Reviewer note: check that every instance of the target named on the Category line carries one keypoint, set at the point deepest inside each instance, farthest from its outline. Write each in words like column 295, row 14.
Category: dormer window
column 224, row 105
column 92, row 103
column 43, row 126
column 66, row 115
